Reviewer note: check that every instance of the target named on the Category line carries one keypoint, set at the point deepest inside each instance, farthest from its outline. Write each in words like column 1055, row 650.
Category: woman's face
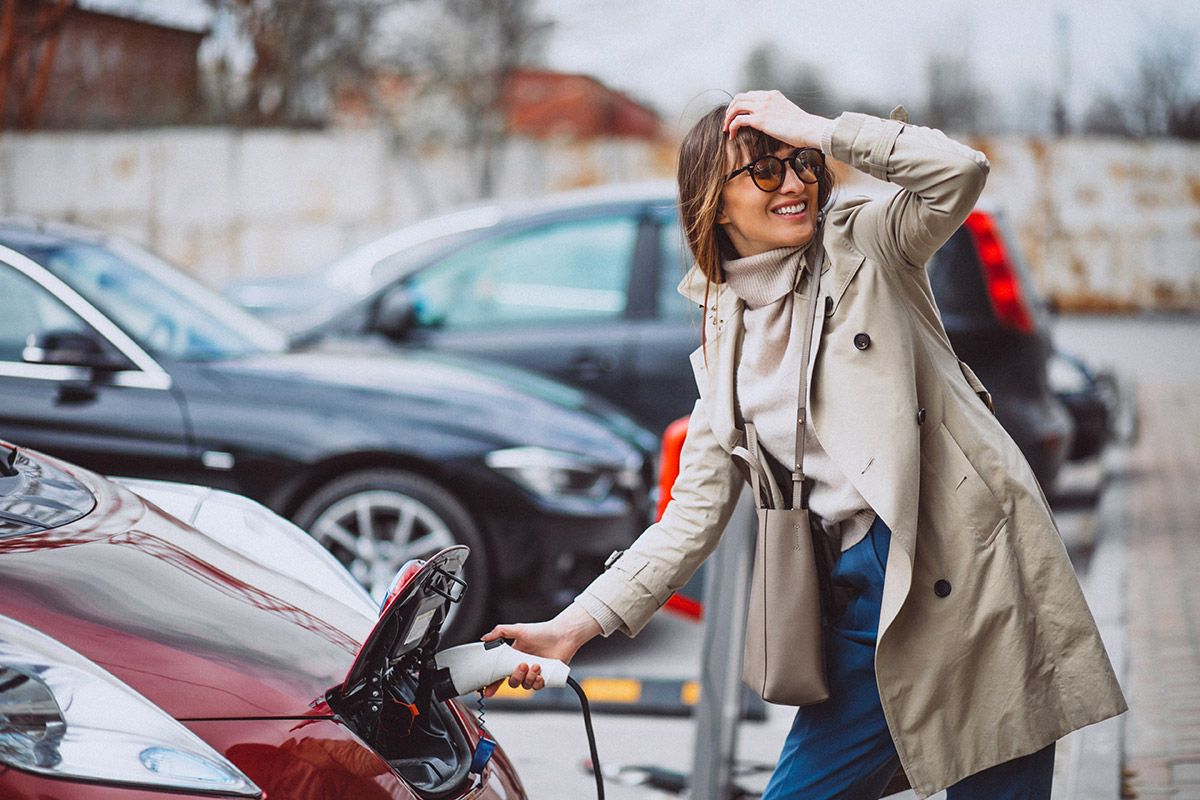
column 758, row 221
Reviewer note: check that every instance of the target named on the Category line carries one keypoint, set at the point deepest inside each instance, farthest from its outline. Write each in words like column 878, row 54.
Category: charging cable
column 587, row 723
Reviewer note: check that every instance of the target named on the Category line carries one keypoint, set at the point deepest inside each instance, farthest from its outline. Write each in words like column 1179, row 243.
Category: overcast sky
column 668, row 53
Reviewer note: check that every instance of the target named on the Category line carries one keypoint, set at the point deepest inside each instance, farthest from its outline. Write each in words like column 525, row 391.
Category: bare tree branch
column 1162, row 97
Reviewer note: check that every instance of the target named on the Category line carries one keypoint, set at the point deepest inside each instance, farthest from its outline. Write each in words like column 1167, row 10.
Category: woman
column 967, row 649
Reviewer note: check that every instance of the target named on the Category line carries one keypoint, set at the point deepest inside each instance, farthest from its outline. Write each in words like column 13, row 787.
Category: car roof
column 29, row 231
column 653, row 191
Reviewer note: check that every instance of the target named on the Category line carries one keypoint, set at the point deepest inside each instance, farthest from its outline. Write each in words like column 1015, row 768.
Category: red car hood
column 201, row 630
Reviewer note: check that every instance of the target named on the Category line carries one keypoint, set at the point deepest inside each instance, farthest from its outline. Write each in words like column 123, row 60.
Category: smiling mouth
column 792, row 210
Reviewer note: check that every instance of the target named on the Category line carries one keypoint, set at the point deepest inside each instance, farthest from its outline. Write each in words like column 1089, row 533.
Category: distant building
column 545, row 104
column 100, row 63
column 540, row 104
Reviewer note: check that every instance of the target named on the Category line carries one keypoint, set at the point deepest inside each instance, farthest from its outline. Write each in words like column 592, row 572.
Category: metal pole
column 718, row 711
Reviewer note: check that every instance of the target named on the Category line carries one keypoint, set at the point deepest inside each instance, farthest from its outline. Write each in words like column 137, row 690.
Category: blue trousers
column 842, row 748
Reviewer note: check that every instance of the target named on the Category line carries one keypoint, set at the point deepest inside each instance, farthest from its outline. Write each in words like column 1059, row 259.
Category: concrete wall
column 1105, row 224
column 228, row 204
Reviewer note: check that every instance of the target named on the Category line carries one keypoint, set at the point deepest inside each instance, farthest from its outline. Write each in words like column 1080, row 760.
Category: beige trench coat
column 1010, row 660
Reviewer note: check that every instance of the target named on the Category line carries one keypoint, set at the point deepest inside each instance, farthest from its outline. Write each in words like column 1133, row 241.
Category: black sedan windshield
column 159, row 308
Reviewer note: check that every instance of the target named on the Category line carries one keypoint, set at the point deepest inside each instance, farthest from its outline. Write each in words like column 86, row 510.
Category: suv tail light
column 1000, row 275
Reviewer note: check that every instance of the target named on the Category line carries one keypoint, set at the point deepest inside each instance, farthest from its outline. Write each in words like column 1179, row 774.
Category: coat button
column 862, row 341
column 921, row 415
column 828, row 305
column 942, row 588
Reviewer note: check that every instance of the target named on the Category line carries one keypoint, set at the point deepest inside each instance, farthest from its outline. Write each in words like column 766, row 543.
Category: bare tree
column 1165, row 102
column 29, row 35
column 1108, row 115
column 803, row 83
column 454, row 61
column 761, row 68
column 1162, row 97
column 955, row 101
column 297, row 51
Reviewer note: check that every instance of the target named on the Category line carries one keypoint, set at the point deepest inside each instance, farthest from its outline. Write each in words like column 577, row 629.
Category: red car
column 162, row 640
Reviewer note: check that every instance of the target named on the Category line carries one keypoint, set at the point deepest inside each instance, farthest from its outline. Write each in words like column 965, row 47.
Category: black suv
column 581, row 286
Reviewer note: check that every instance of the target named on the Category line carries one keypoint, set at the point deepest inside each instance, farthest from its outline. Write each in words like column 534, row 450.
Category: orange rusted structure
column 668, row 470
column 63, row 67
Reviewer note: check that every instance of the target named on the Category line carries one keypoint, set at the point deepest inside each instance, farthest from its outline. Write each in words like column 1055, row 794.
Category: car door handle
column 592, row 366
column 70, row 392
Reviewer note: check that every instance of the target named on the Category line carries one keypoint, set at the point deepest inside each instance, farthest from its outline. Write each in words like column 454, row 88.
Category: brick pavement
column 1162, row 738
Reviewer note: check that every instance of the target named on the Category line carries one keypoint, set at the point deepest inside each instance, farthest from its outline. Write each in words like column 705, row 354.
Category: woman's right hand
column 559, row 638
column 773, row 114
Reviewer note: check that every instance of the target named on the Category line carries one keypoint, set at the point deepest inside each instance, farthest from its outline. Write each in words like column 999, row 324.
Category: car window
column 956, row 277
column 674, row 261
column 158, row 314
column 563, row 271
column 27, row 310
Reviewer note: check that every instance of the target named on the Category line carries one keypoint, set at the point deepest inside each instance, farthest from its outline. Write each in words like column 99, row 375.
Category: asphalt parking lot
column 550, row 748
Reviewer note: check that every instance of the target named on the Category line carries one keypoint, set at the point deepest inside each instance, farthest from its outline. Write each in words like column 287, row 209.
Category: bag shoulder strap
column 799, row 495
column 755, row 463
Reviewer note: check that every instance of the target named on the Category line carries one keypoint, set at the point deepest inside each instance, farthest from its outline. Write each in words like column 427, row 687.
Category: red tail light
column 1003, row 285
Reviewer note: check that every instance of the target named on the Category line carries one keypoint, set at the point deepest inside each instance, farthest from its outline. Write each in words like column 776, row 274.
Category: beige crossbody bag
column 784, row 656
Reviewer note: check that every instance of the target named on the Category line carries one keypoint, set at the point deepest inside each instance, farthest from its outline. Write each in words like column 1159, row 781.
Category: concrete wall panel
column 1103, row 223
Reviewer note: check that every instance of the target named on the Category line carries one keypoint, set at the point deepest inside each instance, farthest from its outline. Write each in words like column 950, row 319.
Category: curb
column 1096, row 759
column 612, row 695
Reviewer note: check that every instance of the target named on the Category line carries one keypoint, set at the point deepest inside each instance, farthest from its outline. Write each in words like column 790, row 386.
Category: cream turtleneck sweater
column 768, row 381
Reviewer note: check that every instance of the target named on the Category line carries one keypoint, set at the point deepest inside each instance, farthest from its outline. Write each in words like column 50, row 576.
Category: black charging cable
column 587, row 722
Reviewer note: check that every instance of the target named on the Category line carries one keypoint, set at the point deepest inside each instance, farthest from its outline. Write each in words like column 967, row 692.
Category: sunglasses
column 767, row 172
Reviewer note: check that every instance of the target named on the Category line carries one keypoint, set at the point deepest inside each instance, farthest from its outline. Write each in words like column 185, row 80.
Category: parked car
column 1092, row 400
column 581, row 287
column 114, row 360
column 998, row 323
column 145, row 656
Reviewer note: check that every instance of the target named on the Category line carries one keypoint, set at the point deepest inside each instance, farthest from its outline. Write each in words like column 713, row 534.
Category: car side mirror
column 73, row 349
column 396, row 314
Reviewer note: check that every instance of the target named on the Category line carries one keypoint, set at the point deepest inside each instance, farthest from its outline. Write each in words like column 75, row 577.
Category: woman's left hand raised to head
column 774, row 115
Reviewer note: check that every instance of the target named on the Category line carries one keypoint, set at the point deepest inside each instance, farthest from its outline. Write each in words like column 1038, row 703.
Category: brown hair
column 701, row 179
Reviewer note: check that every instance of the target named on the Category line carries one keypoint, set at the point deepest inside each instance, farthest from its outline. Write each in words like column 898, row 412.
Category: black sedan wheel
column 375, row 520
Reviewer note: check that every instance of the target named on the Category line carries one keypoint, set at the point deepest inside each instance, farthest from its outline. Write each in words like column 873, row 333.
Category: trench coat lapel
column 714, row 364
column 888, row 483
column 716, row 370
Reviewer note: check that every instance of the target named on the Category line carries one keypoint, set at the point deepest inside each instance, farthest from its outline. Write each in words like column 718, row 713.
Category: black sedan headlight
column 567, row 481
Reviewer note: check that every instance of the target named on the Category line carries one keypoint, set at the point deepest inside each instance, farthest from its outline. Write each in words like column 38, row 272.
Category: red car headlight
column 63, row 716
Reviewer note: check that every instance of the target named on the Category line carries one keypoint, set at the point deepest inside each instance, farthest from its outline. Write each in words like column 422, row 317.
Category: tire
column 383, row 499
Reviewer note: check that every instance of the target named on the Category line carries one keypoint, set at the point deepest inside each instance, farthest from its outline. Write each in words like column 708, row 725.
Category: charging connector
column 470, row 667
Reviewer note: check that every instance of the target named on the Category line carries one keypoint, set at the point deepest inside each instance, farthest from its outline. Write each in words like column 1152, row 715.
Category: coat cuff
column 864, row 142
column 827, row 138
column 598, row 610
column 619, row 588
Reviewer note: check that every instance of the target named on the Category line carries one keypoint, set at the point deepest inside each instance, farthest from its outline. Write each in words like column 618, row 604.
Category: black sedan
column 117, row 362
column 582, row 287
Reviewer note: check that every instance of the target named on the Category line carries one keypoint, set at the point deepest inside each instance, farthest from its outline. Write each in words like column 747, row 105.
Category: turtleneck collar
column 764, row 278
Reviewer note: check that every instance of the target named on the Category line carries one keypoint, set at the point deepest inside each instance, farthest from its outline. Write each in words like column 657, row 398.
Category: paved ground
column 1161, row 516
column 1162, row 744
column 1156, row 490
